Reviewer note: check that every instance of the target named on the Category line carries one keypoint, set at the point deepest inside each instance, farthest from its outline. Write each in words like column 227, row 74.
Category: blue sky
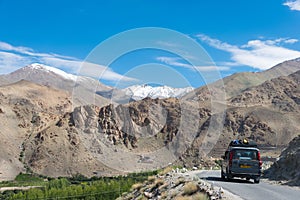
column 248, row 35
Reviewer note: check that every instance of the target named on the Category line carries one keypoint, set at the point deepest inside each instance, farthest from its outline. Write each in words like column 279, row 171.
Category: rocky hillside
column 25, row 108
column 42, row 132
column 267, row 113
column 282, row 93
column 286, row 169
column 235, row 84
column 154, row 132
column 38, row 134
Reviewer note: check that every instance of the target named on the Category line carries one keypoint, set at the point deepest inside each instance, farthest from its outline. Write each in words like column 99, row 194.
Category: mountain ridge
column 138, row 92
column 236, row 83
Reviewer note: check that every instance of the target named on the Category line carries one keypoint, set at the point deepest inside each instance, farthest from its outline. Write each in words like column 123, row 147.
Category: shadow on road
column 235, row 180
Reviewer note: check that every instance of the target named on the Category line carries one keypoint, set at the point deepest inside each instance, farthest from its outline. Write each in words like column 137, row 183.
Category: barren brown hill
column 268, row 113
column 262, row 116
column 25, row 108
column 236, row 83
column 37, row 134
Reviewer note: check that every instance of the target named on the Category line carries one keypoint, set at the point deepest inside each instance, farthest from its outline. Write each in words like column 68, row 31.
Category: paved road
column 250, row 191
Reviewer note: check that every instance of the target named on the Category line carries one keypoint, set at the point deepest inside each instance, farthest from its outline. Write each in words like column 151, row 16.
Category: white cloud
column 212, row 68
column 178, row 62
column 293, row 5
column 14, row 57
column 103, row 72
column 256, row 53
column 291, row 41
column 7, row 47
column 174, row 61
column 10, row 62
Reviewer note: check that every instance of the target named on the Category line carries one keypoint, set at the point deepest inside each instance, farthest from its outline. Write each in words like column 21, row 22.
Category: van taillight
column 258, row 157
column 230, row 158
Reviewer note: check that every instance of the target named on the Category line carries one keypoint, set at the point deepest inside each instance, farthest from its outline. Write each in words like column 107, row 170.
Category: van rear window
column 245, row 154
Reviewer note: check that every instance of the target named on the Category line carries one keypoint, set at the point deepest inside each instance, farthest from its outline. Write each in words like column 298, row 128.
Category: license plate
column 245, row 166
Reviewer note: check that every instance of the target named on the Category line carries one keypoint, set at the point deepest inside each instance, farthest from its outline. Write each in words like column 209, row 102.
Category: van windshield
column 245, row 154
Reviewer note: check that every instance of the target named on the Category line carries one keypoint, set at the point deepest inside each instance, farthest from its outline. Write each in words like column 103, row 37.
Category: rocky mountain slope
column 137, row 130
column 268, row 113
column 25, row 108
column 37, row 133
column 286, row 169
column 236, row 83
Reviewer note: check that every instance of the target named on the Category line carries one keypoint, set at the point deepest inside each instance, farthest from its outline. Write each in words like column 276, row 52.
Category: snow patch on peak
column 38, row 66
column 138, row 92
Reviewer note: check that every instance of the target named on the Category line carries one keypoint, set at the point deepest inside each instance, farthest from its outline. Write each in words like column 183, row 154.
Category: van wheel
column 229, row 177
column 222, row 174
column 256, row 180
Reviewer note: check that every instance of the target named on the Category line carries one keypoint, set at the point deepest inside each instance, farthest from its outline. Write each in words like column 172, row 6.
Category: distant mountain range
column 138, row 92
column 53, row 77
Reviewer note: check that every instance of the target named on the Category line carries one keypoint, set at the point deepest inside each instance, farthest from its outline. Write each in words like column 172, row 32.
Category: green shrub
column 77, row 187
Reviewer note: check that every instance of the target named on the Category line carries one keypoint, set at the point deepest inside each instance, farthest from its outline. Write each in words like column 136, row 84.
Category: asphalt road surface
column 248, row 190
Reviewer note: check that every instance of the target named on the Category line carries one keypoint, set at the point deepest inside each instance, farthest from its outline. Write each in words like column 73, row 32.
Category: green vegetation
column 77, row 187
column 219, row 162
column 25, row 180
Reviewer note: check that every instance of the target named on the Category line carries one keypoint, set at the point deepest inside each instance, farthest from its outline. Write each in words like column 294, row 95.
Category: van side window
column 227, row 155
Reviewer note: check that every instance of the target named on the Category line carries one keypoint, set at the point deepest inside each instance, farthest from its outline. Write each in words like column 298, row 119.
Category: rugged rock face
column 58, row 151
column 268, row 114
column 286, row 169
column 125, row 124
column 26, row 109
column 282, row 93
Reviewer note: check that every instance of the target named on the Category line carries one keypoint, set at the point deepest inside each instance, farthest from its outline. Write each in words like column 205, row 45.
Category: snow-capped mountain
column 81, row 88
column 138, row 92
column 54, row 77
column 42, row 67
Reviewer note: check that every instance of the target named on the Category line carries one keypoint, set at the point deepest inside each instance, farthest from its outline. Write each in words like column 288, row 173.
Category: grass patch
column 151, row 178
column 25, row 180
column 28, row 178
column 136, row 186
column 197, row 196
column 190, row 188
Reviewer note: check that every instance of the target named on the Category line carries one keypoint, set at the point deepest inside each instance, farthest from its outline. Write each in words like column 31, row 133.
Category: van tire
column 256, row 180
column 222, row 175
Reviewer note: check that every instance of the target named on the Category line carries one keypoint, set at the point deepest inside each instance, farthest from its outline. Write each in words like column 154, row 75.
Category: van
column 241, row 159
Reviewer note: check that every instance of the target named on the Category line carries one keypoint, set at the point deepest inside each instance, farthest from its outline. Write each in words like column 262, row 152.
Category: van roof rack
column 242, row 143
